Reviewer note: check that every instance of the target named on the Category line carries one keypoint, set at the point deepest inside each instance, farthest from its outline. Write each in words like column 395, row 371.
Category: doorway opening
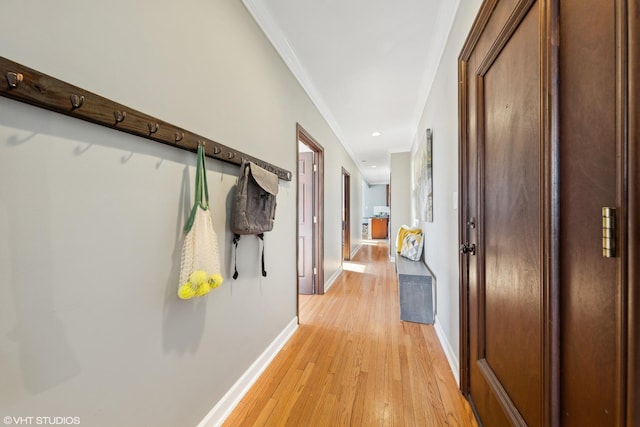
column 310, row 234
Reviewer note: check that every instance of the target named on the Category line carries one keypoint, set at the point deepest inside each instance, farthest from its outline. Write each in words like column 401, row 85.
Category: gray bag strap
column 236, row 239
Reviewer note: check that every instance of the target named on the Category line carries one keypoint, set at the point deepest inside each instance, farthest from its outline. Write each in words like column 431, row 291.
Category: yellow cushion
column 403, row 232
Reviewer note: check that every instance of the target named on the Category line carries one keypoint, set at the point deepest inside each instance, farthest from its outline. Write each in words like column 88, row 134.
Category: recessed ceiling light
column 373, row 166
column 376, row 133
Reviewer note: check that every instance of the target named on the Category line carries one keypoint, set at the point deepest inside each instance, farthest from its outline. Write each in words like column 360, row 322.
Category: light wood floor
column 352, row 362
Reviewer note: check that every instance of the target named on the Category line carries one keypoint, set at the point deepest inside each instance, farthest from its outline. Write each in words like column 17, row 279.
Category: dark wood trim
column 296, row 238
column 480, row 208
column 318, row 241
column 463, row 217
column 510, row 410
column 346, row 250
column 518, row 14
column 24, row 84
column 477, row 28
column 633, row 218
column 550, row 132
column 622, row 150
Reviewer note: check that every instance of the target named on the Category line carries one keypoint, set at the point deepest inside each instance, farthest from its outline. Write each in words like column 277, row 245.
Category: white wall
column 373, row 195
column 333, row 200
column 91, row 218
column 441, row 115
column 356, row 212
column 400, row 190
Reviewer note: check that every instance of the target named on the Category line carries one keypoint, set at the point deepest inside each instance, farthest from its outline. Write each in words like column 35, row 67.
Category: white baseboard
column 334, row 276
column 448, row 351
column 355, row 250
column 230, row 400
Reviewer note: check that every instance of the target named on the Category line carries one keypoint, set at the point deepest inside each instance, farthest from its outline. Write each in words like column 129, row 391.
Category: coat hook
column 77, row 101
column 231, row 155
column 179, row 136
column 153, row 127
column 14, row 79
column 201, row 143
column 217, row 150
column 120, row 116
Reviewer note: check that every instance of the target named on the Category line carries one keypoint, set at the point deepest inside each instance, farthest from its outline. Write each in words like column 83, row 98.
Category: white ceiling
column 367, row 65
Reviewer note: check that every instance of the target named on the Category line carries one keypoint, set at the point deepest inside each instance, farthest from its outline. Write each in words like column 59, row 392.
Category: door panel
column 590, row 295
column 506, row 277
column 512, row 232
column 305, row 223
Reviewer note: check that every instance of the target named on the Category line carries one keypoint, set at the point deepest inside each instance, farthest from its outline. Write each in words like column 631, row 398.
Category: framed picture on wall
column 429, row 177
column 423, row 179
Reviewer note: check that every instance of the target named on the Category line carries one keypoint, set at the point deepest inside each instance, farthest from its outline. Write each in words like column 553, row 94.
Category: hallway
column 353, row 362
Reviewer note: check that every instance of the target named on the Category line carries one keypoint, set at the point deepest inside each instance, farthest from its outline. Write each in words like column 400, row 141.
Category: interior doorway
column 346, row 215
column 310, row 234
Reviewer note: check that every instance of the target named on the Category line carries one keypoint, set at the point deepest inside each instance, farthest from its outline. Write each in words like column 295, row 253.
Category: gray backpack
column 254, row 206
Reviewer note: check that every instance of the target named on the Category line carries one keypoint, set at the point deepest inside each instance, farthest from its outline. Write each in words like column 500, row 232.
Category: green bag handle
column 202, row 190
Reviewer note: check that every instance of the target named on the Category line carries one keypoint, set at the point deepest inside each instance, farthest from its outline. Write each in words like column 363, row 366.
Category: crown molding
column 445, row 21
column 274, row 34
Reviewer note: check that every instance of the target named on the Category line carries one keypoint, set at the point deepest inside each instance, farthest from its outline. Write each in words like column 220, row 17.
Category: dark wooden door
column 549, row 137
column 305, row 223
column 505, row 230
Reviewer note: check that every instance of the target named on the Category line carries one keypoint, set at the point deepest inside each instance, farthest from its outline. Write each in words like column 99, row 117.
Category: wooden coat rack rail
column 24, row 84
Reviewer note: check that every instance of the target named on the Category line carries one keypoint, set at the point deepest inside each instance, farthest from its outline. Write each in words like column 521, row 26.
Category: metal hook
column 179, row 136
column 153, row 127
column 202, row 143
column 14, row 79
column 120, row 116
column 76, row 101
column 217, row 150
column 231, row 155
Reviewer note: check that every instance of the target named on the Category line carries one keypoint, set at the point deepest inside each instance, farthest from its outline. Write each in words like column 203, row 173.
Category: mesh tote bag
column 200, row 263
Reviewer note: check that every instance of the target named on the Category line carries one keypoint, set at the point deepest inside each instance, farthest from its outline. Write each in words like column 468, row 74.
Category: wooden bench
column 415, row 288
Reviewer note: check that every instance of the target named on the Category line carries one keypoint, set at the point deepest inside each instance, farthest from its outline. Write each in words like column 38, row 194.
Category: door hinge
column 315, row 167
column 315, row 271
column 315, row 219
column 609, row 232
